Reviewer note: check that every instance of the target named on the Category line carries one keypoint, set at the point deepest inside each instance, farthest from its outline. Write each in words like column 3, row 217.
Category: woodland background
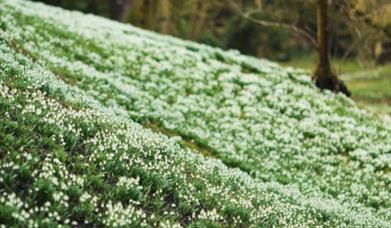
column 359, row 33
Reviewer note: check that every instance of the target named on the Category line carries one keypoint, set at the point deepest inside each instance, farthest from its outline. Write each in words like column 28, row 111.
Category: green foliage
column 78, row 94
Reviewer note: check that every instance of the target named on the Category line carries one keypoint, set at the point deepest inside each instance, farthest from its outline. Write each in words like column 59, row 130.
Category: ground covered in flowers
column 104, row 124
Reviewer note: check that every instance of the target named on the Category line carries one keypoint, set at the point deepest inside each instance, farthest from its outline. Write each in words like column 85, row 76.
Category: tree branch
column 359, row 16
column 293, row 28
column 355, row 44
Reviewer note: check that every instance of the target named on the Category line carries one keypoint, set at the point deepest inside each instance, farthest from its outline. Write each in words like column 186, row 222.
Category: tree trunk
column 198, row 19
column 149, row 10
column 383, row 54
column 94, row 6
column 323, row 69
column 323, row 76
column 165, row 16
column 119, row 9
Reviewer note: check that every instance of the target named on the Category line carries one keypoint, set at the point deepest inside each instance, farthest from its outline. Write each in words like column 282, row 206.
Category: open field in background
column 369, row 84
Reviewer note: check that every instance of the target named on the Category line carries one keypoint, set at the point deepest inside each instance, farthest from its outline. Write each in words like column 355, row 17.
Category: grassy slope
column 308, row 153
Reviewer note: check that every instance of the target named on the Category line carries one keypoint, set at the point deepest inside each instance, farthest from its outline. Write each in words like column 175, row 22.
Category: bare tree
column 323, row 76
column 198, row 19
column 164, row 15
column 94, row 6
column 373, row 17
column 119, row 9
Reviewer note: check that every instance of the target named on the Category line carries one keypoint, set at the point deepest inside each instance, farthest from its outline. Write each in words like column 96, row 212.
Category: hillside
column 102, row 123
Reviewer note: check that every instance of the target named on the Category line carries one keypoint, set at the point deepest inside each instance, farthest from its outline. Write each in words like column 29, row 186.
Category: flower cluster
column 75, row 148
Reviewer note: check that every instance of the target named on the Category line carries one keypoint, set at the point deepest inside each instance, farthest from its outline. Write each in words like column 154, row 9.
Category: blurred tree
column 198, row 19
column 356, row 28
column 119, row 9
column 93, row 7
column 373, row 16
column 164, row 16
column 323, row 76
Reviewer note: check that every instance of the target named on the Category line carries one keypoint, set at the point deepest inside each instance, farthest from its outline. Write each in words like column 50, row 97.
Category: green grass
column 372, row 88
column 340, row 66
column 369, row 84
